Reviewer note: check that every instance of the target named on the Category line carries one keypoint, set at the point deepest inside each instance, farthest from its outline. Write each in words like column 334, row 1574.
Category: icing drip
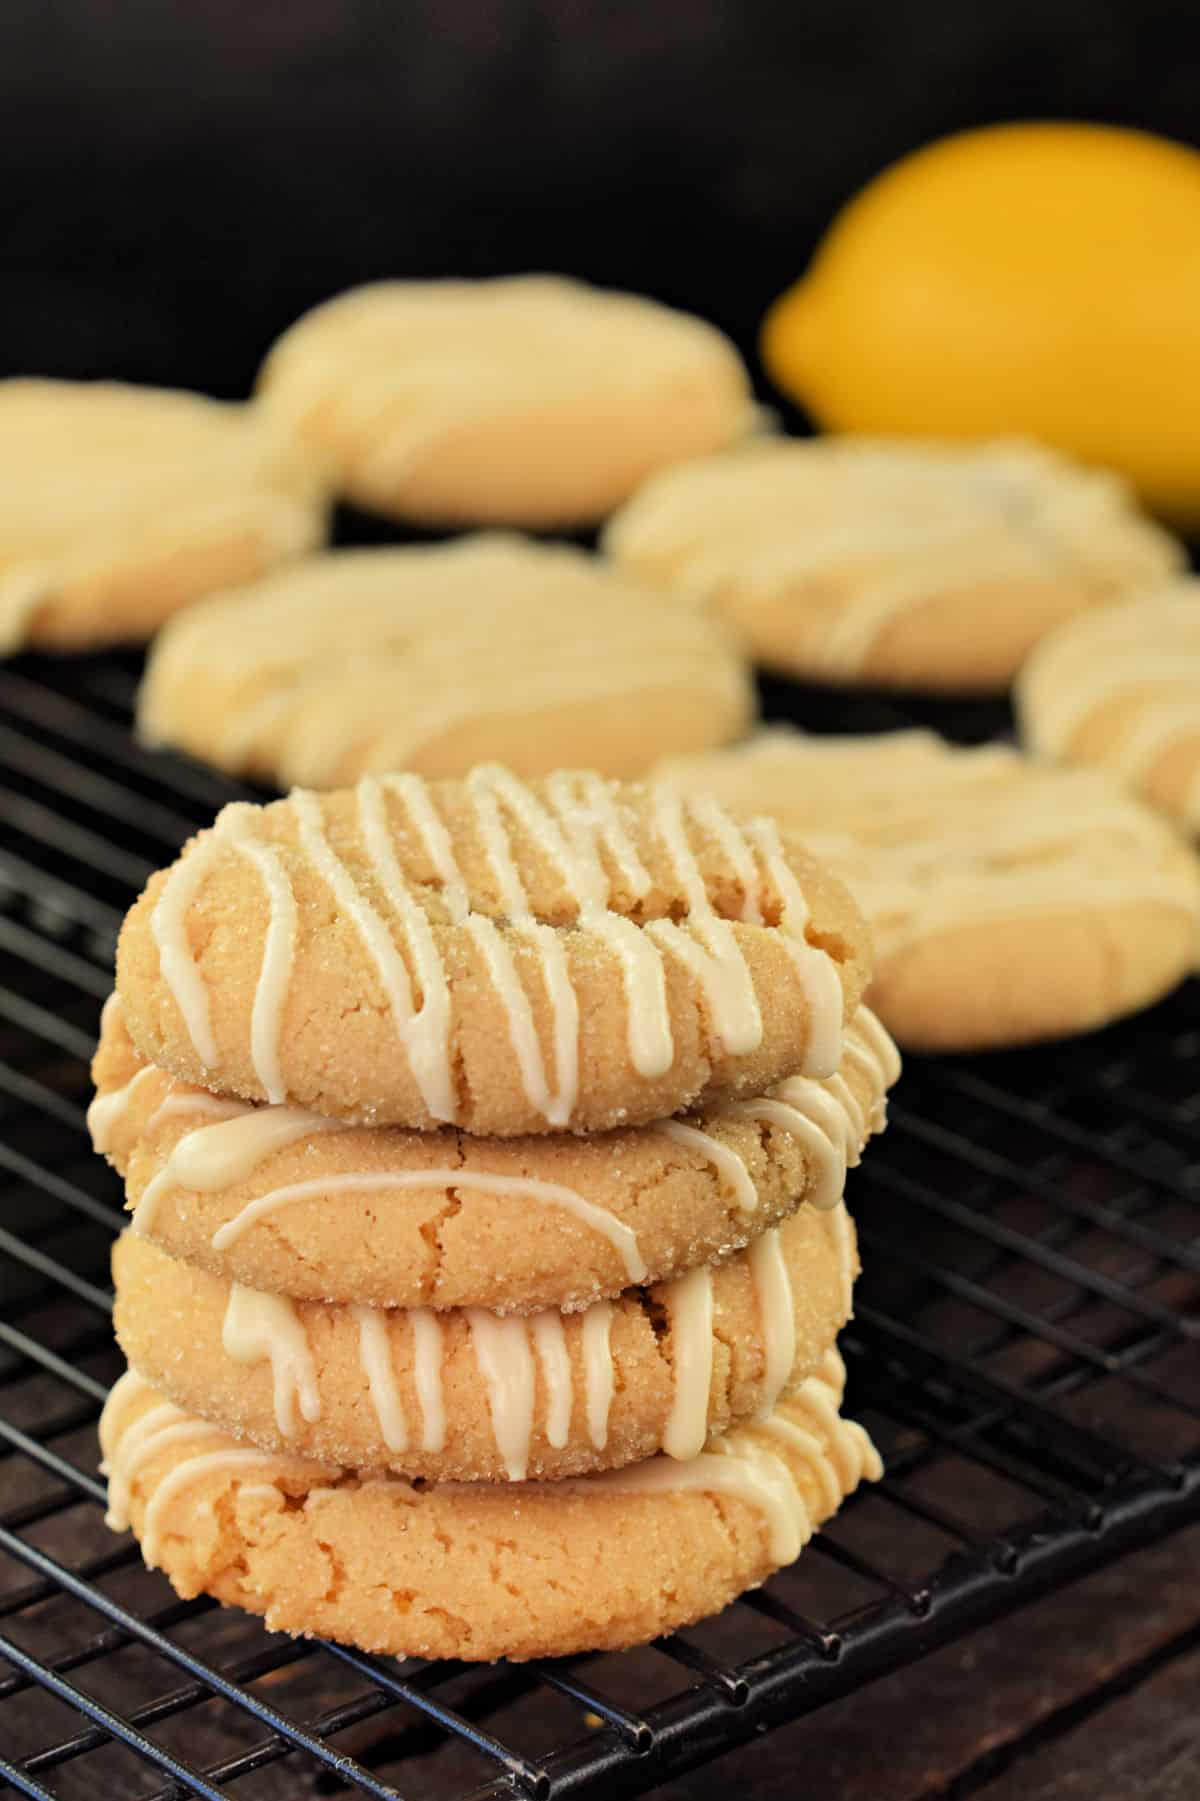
column 375, row 1353
column 279, row 951
column 619, row 1235
column 708, row 946
column 260, row 1327
column 107, row 1110
column 777, row 1315
column 427, row 1376
column 723, row 1158
column 214, row 1157
column 506, row 1365
column 689, row 1302
column 194, row 1100
column 598, row 1373
column 169, row 931
column 550, row 1341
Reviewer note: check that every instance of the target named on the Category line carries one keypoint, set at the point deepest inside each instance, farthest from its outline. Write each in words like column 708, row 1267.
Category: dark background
column 180, row 178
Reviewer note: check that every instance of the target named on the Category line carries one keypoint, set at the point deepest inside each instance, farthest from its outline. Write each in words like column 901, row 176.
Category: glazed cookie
column 122, row 504
column 478, row 1571
column 902, row 564
column 531, row 401
column 427, row 658
column 473, row 1396
column 287, row 1201
column 1008, row 903
column 509, row 958
column 1121, row 688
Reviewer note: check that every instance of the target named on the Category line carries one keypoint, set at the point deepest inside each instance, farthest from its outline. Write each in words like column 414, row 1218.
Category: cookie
column 473, row 1396
column 1121, row 688
column 1007, row 902
column 478, row 1571
column 384, row 1217
column 507, row 957
column 529, row 400
column 428, row 658
column 891, row 563
column 122, row 504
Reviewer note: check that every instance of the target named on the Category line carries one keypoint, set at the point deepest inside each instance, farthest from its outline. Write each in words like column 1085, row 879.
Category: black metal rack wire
column 1024, row 1351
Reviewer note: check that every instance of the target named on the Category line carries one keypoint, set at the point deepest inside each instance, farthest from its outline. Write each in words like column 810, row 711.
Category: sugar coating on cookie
column 275, row 1198
column 529, row 400
column 1007, row 902
column 427, row 658
column 122, row 504
column 478, row 1571
column 1121, row 688
column 898, row 563
column 509, row 957
column 475, row 1396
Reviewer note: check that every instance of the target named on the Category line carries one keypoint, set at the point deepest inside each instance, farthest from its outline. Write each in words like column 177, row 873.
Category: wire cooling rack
column 1024, row 1351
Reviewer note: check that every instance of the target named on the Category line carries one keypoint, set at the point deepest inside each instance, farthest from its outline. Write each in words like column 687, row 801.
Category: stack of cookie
column 485, row 1143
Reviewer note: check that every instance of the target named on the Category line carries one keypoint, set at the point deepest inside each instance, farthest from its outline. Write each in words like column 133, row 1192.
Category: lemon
column 1042, row 280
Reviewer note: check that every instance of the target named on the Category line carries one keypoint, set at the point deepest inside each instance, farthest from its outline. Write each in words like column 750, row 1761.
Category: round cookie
column 510, row 958
column 471, row 1396
column 307, row 1207
column 478, row 1571
column 427, row 658
column 122, row 504
column 891, row 563
column 529, row 400
column 1121, row 688
column 1008, row 902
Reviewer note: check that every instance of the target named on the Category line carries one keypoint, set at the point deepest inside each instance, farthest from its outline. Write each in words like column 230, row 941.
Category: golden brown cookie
column 1121, row 688
column 473, row 1396
column 381, row 1216
column 478, row 1571
column 428, row 658
column 122, row 504
column 507, row 957
column 897, row 563
column 1007, row 902
column 529, row 400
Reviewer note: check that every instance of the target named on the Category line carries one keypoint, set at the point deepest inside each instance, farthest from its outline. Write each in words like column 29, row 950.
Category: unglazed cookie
column 1121, row 688
column 510, row 958
column 122, row 504
column 478, row 1571
column 380, row 1216
column 427, row 658
column 477, row 1397
column 1008, row 902
column 903, row 564
column 532, row 400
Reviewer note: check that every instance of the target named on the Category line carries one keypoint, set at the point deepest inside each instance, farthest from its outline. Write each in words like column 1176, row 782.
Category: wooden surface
column 1090, row 1695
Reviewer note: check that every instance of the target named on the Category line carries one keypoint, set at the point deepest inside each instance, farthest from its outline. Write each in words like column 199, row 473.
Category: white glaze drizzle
column 427, row 1376
column 724, row 1159
column 266, row 1327
column 213, row 1157
column 776, row 1315
column 550, row 1342
column 375, row 1354
column 505, row 1362
column 619, row 1235
column 108, row 1109
column 279, row 950
column 599, row 1375
column 689, row 1301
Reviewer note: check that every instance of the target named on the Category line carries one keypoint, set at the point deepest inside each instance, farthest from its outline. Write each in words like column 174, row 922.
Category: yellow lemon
column 1034, row 279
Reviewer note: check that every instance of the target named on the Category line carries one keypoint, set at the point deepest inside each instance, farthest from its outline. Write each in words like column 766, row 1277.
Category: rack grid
column 1024, row 1352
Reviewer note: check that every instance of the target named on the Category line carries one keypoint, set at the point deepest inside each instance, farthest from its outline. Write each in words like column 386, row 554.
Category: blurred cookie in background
column 530, row 401
column 433, row 658
column 119, row 505
column 1121, row 688
column 892, row 563
column 1008, row 902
